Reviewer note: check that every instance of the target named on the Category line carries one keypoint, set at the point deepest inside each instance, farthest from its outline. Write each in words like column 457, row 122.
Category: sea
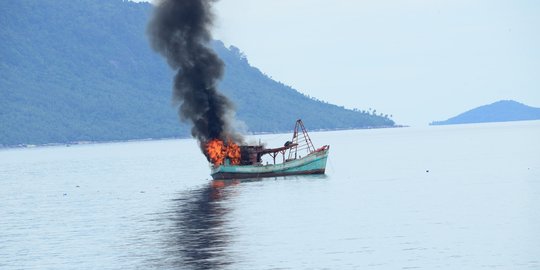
column 433, row 197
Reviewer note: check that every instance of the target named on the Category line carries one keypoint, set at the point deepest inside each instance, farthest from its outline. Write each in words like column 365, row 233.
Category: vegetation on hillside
column 83, row 71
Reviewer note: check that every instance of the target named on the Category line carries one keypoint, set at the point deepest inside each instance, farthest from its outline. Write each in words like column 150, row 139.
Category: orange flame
column 217, row 151
column 233, row 153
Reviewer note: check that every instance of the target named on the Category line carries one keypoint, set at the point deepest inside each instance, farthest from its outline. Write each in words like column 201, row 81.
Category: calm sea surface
column 454, row 197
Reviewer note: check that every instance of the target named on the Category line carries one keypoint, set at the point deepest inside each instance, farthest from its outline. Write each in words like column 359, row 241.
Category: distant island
column 83, row 70
column 500, row 111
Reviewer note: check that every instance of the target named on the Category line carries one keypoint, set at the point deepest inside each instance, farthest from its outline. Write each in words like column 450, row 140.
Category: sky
column 418, row 60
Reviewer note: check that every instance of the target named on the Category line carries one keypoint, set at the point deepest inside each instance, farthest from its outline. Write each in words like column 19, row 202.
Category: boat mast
column 302, row 140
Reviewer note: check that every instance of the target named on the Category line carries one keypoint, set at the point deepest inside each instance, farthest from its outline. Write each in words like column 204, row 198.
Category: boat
column 299, row 157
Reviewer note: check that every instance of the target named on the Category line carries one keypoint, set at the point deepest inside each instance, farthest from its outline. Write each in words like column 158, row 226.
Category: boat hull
column 314, row 163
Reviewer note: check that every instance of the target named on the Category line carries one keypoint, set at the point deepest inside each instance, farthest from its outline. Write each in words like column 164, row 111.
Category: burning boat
column 180, row 31
column 231, row 161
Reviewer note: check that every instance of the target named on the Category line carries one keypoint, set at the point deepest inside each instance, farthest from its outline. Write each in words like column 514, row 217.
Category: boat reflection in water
column 200, row 233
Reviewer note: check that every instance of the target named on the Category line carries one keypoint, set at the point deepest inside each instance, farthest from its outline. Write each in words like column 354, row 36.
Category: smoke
column 180, row 31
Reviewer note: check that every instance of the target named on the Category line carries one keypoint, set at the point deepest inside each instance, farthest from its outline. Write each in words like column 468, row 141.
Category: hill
column 84, row 71
column 500, row 111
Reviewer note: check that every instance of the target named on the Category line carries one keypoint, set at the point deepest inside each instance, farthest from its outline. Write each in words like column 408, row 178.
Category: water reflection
column 198, row 232
column 199, row 236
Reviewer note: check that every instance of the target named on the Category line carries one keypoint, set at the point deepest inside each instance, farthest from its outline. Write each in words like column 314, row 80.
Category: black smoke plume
column 180, row 31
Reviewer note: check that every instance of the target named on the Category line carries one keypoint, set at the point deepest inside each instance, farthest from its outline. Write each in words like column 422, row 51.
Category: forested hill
column 500, row 111
column 83, row 71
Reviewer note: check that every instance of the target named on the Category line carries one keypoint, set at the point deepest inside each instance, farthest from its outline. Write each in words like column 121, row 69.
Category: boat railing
column 273, row 152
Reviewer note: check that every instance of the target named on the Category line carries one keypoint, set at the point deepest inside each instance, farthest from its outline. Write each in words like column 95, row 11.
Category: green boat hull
column 314, row 163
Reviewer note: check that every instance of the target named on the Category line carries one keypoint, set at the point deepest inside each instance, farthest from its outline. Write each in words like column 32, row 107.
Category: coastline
column 73, row 143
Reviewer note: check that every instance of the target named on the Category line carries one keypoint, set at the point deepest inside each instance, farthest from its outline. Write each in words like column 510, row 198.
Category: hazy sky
column 419, row 60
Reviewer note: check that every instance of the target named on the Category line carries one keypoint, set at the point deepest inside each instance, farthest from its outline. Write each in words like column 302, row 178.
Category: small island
column 500, row 111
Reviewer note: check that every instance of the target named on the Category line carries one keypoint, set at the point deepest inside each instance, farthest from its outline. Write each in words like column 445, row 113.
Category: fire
column 233, row 153
column 217, row 151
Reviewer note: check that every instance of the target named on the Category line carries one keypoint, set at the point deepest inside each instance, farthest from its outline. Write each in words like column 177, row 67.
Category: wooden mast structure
column 301, row 139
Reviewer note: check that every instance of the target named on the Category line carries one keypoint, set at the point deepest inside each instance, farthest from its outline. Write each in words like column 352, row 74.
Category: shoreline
column 68, row 144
